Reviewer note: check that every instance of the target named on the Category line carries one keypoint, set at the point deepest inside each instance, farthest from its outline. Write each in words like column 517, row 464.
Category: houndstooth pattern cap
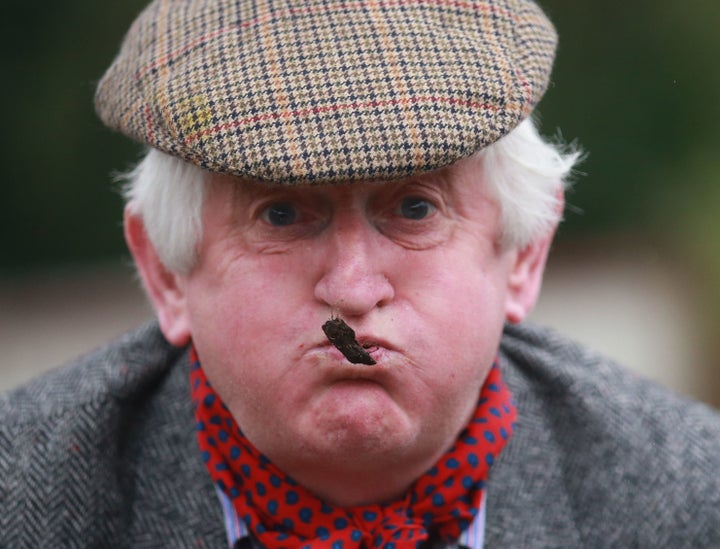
column 324, row 91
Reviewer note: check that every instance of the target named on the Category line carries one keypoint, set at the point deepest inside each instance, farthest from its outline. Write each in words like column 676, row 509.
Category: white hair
column 168, row 194
column 524, row 173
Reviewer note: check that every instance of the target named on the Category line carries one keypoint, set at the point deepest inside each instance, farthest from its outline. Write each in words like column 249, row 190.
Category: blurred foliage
column 59, row 206
column 636, row 83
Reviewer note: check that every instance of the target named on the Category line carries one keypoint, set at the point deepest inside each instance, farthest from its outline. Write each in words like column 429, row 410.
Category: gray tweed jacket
column 102, row 453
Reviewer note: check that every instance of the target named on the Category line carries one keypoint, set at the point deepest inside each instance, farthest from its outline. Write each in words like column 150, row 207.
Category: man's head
column 421, row 217
column 420, row 267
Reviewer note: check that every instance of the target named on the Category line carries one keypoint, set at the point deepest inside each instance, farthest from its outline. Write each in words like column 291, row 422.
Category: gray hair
column 524, row 173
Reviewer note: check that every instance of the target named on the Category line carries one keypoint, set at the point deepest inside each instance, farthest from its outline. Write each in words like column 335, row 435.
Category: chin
column 357, row 432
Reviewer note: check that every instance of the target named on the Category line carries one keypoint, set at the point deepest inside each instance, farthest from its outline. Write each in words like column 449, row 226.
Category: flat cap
column 324, row 91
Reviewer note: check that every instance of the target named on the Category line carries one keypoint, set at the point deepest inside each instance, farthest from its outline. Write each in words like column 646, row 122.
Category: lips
column 370, row 347
column 330, row 366
column 374, row 346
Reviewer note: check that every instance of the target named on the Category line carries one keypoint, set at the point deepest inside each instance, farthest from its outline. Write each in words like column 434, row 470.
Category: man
column 342, row 221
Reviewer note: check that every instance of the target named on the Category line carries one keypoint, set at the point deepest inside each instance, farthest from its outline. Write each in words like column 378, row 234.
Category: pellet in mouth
column 343, row 338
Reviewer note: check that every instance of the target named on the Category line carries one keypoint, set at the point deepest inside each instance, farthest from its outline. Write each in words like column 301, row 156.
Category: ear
column 526, row 274
column 164, row 288
column 525, row 279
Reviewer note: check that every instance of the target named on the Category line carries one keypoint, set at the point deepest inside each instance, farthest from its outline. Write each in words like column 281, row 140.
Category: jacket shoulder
column 624, row 460
column 117, row 370
column 66, row 442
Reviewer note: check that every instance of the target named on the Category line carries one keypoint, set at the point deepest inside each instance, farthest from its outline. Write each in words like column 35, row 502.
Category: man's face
column 412, row 266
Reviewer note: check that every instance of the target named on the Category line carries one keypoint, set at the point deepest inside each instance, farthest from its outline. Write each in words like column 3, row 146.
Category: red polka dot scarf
column 282, row 514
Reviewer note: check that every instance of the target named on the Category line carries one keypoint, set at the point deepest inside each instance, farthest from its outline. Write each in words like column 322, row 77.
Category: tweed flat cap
column 327, row 90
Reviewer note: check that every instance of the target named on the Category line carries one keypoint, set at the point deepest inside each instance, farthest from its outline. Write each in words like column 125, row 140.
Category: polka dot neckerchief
column 280, row 513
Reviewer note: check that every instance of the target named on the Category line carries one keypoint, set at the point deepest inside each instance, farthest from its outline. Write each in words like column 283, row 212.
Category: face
column 412, row 266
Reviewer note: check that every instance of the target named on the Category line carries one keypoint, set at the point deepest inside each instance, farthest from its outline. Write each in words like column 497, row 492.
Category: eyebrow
column 246, row 190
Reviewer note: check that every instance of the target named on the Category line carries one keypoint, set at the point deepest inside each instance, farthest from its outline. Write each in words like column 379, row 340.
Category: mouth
column 370, row 348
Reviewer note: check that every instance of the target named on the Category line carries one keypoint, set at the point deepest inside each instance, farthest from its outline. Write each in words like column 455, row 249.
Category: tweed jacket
column 102, row 453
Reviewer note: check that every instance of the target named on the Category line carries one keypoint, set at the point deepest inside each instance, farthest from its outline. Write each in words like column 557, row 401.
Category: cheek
column 461, row 291
column 245, row 359
column 241, row 325
column 461, row 312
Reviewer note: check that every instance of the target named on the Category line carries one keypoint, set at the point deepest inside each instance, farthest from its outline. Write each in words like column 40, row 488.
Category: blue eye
column 413, row 207
column 280, row 214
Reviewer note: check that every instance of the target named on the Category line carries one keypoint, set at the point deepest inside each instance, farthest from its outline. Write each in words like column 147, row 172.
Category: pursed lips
column 331, row 366
column 377, row 347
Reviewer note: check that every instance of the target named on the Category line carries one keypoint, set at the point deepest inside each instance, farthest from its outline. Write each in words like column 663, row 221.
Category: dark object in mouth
column 343, row 337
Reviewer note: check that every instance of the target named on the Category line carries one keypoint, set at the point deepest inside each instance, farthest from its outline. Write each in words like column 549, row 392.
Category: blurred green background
column 636, row 83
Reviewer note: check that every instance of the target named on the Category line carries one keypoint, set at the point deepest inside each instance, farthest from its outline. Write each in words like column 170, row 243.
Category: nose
column 353, row 280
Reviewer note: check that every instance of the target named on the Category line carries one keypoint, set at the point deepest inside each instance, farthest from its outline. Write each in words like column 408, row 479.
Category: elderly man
column 342, row 221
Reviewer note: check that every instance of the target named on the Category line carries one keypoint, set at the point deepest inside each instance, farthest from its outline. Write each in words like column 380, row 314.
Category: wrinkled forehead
column 309, row 92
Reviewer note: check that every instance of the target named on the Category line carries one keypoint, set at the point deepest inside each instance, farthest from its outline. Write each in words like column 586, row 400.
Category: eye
column 280, row 214
column 414, row 207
